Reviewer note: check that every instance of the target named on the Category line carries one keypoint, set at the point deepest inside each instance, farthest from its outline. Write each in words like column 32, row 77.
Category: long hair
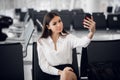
column 47, row 18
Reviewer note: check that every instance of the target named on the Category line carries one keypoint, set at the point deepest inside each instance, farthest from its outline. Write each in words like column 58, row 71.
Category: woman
column 55, row 47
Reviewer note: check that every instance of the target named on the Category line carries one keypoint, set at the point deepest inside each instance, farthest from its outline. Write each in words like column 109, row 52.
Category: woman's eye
column 54, row 23
column 59, row 20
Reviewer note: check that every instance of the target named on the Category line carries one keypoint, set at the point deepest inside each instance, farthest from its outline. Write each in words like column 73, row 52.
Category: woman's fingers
column 68, row 75
column 89, row 23
column 68, row 69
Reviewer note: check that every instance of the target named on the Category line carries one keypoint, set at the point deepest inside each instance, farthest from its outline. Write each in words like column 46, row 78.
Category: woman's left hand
column 89, row 24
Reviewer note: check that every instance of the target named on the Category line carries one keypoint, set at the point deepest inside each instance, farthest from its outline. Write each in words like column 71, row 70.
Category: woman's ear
column 48, row 26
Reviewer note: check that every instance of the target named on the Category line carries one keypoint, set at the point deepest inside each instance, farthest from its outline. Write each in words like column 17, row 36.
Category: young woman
column 55, row 47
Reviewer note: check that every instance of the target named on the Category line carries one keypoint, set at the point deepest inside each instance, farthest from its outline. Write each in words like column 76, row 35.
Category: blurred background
column 21, row 22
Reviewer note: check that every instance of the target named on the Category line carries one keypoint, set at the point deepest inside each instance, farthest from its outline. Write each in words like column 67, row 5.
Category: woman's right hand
column 68, row 69
column 67, row 74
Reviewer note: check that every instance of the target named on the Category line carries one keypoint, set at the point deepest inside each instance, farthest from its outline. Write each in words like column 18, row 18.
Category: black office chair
column 77, row 11
column 100, row 20
column 39, row 16
column 113, row 21
column 17, row 11
column 109, row 9
column 55, row 10
column 117, row 10
column 77, row 21
column 36, row 71
column 11, row 62
column 22, row 16
column 84, row 65
column 66, row 18
column 104, row 60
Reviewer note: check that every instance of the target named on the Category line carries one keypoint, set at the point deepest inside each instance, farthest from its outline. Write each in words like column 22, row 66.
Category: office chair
column 5, row 22
column 117, row 10
column 39, row 16
column 55, row 10
column 17, row 11
column 109, row 9
column 100, row 20
column 11, row 62
column 22, row 16
column 77, row 21
column 66, row 18
column 104, row 60
column 36, row 71
column 77, row 11
column 113, row 21
column 84, row 65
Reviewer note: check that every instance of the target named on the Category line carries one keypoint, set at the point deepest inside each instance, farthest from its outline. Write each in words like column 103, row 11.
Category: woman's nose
column 58, row 24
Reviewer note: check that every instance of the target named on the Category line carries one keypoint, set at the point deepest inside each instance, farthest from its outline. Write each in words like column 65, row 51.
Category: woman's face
column 56, row 25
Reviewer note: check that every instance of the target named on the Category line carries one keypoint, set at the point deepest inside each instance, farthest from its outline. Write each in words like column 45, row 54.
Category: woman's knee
column 69, row 75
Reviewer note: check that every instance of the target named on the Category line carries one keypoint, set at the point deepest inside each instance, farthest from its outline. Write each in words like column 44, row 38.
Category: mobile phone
column 87, row 15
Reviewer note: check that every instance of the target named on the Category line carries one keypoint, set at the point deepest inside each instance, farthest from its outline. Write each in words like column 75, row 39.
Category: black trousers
column 45, row 76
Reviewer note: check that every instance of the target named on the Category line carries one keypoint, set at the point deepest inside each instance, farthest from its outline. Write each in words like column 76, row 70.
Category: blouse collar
column 51, row 41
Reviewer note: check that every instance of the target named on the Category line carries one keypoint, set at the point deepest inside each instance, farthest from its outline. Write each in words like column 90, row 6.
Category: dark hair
column 47, row 18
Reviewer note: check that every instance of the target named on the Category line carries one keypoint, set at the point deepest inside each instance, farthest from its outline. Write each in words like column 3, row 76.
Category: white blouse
column 49, row 57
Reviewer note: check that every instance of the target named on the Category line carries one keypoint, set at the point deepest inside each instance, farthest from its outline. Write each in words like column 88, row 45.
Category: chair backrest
column 11, row 62
column 109, row 9
column 104, row 51
column 100, row 20
column 75, row 62
column 104, row 60
column 117, row 10
column 84, row 63
column 36, row 71
column 77, row 21
column 17, row 11
column 113, row 21
column 66, row 18
column 39, row 16
column 77, row 11
column 22, row 16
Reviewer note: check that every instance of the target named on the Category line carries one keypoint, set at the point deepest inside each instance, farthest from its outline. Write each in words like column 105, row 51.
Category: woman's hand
column 67, row 74
column 68, row 69
column 90, row 24
column 65, row 69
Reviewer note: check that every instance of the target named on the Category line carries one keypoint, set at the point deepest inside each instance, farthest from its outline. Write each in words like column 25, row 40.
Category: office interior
column 21, row 25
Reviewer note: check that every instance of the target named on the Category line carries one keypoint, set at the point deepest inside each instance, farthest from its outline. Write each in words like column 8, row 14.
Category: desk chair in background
column 36, row 71
column 66, row 19
column 113, row 21
column 100, row 20
column 104, row 60
column 11, row 62
column 84, row 65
